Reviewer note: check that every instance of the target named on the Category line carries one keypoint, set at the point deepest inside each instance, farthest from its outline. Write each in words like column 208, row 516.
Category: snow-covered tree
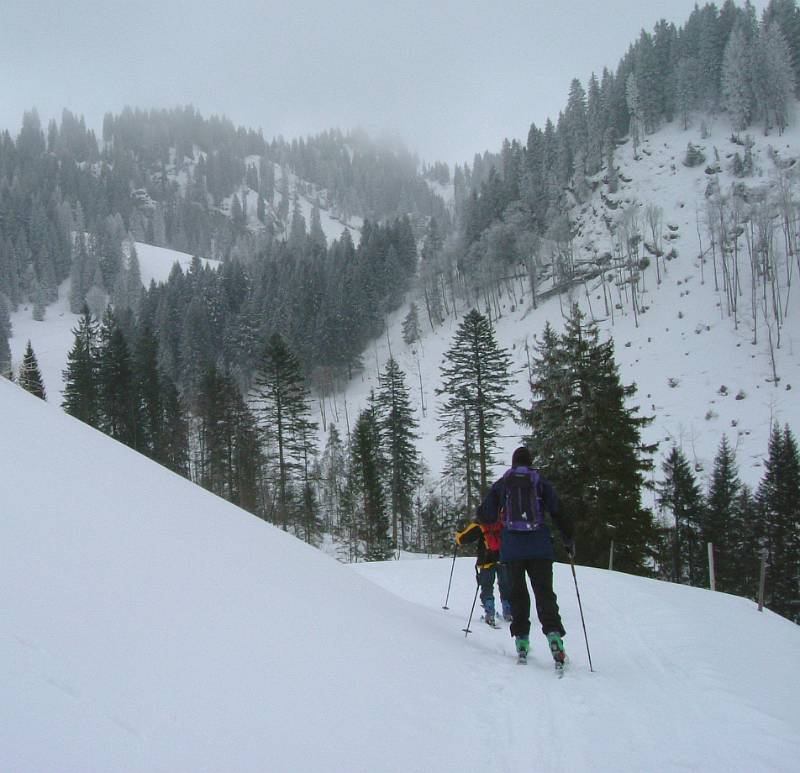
column 737, row 78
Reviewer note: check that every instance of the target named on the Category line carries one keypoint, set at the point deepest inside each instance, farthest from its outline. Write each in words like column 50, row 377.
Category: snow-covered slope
column 696, row 373
column 150, row 626
column 155, row 263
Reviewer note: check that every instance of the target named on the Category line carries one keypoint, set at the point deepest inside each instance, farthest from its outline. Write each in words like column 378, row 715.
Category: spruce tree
column 213, row 432
column 283, row 409
column 679, row 493
column 117, row 398
column 228, row 453
column 737, row 78
column 148, row 389
column 29, row 376
column 476, row 377
column 747, row 540
column 174, row 450
column 779, row 502
column 398, row 432
column 586, row 439
column 411, row 330
column 333, row 476
column 81, row 375
column 5, row 335
column 721, row 521
column 365, row 493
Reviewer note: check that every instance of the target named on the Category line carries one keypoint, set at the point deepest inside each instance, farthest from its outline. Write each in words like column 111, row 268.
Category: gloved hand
column 569, row 546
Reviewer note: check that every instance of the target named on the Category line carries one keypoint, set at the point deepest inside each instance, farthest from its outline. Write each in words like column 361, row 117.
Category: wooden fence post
column 761, row 578
column 711, row 579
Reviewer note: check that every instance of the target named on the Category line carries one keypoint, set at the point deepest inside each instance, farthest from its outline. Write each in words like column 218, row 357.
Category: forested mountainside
column 521, row 200
column 173, row 178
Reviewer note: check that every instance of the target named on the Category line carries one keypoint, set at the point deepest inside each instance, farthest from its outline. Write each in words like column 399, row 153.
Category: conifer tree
column 283, row 411
column 5, row 335
column 228, row 461
column 333, row 479
column 636, row 112
column 398, row 432
column 29, row 376
column 686, row 79
column 747, row 538
column 679, row 493
column 174, row 451
column 737, row 74
column 721, row 521
column 476, row 377
column 117, row 398
column 775, row 77
column 595, row 127
column 148, row 389
column 411, row 330
column 365, row 494
column 81, row 375
column 779, row 502
column 587, row 441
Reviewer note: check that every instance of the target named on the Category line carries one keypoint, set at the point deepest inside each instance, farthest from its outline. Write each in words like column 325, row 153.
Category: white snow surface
column 155, row 263
column 150, row 626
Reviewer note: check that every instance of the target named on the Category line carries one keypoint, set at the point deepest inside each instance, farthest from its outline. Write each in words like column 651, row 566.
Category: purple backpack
column 522, row 510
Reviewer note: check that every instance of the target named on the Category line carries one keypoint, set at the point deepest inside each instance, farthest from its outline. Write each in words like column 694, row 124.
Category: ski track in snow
column 666, row 684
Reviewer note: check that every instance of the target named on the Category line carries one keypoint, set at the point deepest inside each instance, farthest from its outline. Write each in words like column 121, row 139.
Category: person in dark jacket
column 487, row 567
column 530, row 552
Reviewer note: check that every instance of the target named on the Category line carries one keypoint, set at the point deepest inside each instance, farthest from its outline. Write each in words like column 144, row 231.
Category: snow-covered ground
column 150, row 626
column 156, row 263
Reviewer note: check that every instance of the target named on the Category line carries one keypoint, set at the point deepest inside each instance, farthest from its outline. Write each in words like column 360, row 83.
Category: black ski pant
column 540, row 570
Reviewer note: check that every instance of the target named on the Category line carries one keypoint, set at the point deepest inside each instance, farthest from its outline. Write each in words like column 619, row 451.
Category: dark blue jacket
column 516, row 545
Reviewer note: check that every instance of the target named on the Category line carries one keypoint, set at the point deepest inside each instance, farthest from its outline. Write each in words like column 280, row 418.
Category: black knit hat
column 522, row 458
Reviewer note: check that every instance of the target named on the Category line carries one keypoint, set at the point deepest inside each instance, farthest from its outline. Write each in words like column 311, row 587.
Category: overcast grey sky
column 450, row 77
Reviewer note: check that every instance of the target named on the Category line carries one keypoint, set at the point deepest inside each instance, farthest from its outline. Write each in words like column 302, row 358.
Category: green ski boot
column 523, row 645
column 557, row 650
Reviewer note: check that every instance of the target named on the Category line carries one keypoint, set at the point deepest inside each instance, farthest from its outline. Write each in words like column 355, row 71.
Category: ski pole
column 453, row 566
column 467, row 630
column 580, row 607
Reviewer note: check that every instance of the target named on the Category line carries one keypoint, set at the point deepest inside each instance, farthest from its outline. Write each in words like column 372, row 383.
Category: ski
column 522, row 659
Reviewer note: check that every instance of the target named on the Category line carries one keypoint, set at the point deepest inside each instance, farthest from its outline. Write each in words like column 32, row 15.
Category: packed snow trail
column 684, row 678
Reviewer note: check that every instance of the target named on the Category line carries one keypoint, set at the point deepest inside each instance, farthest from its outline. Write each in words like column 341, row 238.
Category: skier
column 487, row 567
column 517, row 502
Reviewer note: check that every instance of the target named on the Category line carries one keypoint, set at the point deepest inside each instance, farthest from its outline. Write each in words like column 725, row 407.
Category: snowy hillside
column 696, row 373
column 150, row 626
